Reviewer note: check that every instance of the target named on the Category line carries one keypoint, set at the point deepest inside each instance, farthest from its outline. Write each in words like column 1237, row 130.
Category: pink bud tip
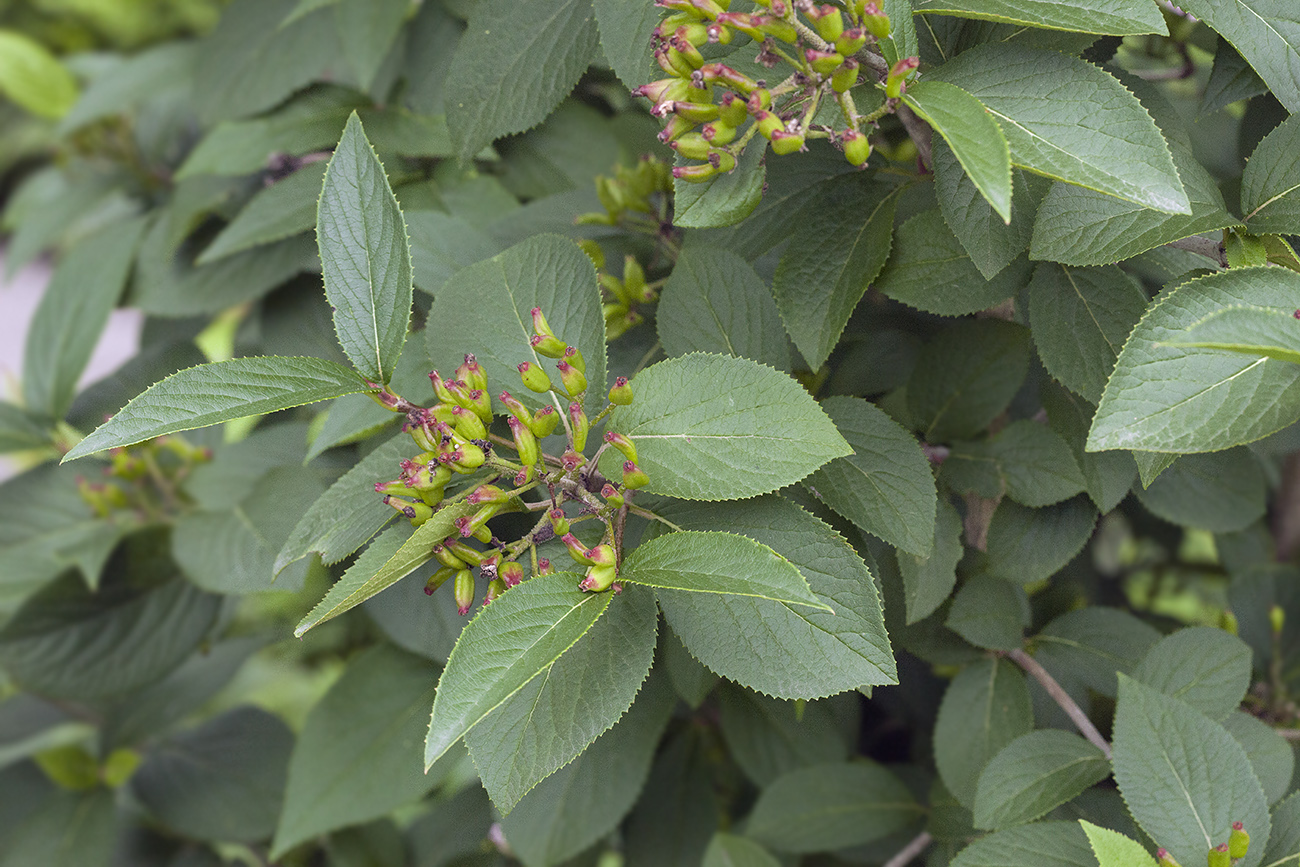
column 462, row 609
column 428, row 591
column 1222, row 847
column 1238, row 826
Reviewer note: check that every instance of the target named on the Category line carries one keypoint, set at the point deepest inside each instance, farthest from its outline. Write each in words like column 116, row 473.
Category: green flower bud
column 876, row 22
column 437, row 579
column 580, row 424
column 610, row 195
column 481, row 405
column 464, row 590
column 787, row 142
column 577, row 550
column 621, row 393
column 1238, row 841
column 857, row 149
column 511, row 573
column 494, row 589
column 395, row 488
column 732, row 111
column 676, row 127
column 723, row 161
column 823, row 62
column 488, row 494
column 545, row 344
column 898, row 76
column 545, row 422
column 692, row 146
column 573, row 355
column 559, row 521
column 695, row 112
column 622, row 443
column 525, row 442
column 471, row 458
column 574, row 380
column 464, row 550
column 571, row 460
column 447, row 558
column 614, row 287
column 1164, row 859
column 718, row 133
column 759, row 100
column 476, row 525
column 544, row 566
column 845, row 77
column 534, row 378
column 720, row 73
column 540, row 325
column 593, row 251
column 694, row 174
column 468, row 425
column 851, row 41
column 517, row 409
column 598, row 578
column 612, row 496
column 601, row 555
column 1219, row 857
column 471, row 372
column 768, row 123
column 417, row 512
column 1277, row 618
column 828, row 21
column 440, row 389
column 633, row 476
column 672, row 62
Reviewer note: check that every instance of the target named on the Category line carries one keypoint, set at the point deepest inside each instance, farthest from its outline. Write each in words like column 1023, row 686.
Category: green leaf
column 554, row 718
column 989, row 613
column 768, row 737
column 812, row 653
column 623, row 27
column 73, row 312
column 442, row 244
column 586, row 799
column 347, row 515
column 715, row 562
column 1080, row 144
column 358, row 756
column 1080, row 318
column 709, row 427
column 1027, row 545
column 282, row 210
column 973, row 136
column 985, row 708
column 714, row 302
column 365, row 256
column 1184, row 778
column 1265, row 32
column 990, row 242
column 728, row 850
column 33, row 77
column 966, row 376
column 1090, row 645
column 885, row 486
column 1033, row 775
column 1247, row 330
column 1042, row 844
column 367, row 31
column 485, row 310
column 1036, row 464
column 508, row 643
column 1113, row 849
column 371, row 575
column 1108, row 475
column 724, row 199
column 513, row 65
column 1181, row 399
column 931, row 271
column 66, row 829
column 1231, row 79
column 20, row 430
column 833, row 257
column 1270, row 754
column 1270, row 186
column 1222, row 491
column 1090, row 16
column 223, row 780
column 212, row 393
column 928, row 581
column 1284, row 841
column 831, row 806
column 1205, row 667
column 901, row 41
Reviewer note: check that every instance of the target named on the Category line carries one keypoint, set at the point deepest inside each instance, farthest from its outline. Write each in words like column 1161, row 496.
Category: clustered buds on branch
column 827, row 59
column 455, row 439
column 1222, row 855
column 143, row 481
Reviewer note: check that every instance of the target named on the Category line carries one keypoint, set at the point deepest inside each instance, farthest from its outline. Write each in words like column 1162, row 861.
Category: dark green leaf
column 1205, row 667
column 66, row 829
column 1264, row 31
column 1231, row 80
column 1270, row 754
column 723, row 199
column 768, row 737
column 1042, row 844
column 366, row 32
column 20, row 431
column 990, row 613
column 1036, row 464
column 623, row 28
column 1034, row 774
column 1027, row 545
column 728, row 850
column 1256, row 331
column 928, row 581
column 1090, row 645
column 1222, row 491
column 1090, row 16
column 966, row 377
column 1269, row 196
column 282, row 210
column 985, row 708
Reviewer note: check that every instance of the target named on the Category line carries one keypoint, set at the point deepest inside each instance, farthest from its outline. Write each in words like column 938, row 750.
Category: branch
column 1206, row 247
column 1061, row 697
column 911, row 850
column 919, row 131
column 1289, row 734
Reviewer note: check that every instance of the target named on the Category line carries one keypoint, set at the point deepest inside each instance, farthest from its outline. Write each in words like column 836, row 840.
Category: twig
column 911, row 850
column 1061, row 697
column 1289, row 734
column 1206, row 247
column 919, row 131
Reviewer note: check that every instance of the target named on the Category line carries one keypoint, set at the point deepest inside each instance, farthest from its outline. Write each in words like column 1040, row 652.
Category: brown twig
column 1061, row 697
column 911, row 850
column 919, row 131
column 1206, row 247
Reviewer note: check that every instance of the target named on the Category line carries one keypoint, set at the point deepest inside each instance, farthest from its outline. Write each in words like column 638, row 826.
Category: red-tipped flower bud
column 622, row 443
column 573, row 355
column 464, row 590
column 845, row 77
column 694, row 173
column 787, row 142
column 517, row 409
column 440, row 388
column 898, row 76
column 828, row 21
column 857, row 149
column 471, row 373
column 621, row 393
column 598, row 578
column 1238, row 841
column 448, row 558
column 633, row 476
column 540, row 325
column 580, row 425
column 823, row 62
column 612, row 496
column 525, row 442
column 511, row 573
column 851, row 41
column 545, row 422
column 545, row 344
column 876, row 22
column 577, row 550
column 534, row 378
column 732, row 111
column 437, row 579
column 1164, row 859
column 468, row 424
column 544, row 566
column 488, row 494
column 559, row 522
column 574, row 380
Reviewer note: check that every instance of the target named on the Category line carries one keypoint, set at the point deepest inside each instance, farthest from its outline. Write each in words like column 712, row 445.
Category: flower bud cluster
column 642, row 190
column 1222, row 855
column 711, row 110
column 144, row 479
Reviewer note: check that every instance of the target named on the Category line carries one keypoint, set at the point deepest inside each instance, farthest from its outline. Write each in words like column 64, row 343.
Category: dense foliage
column 860, row 433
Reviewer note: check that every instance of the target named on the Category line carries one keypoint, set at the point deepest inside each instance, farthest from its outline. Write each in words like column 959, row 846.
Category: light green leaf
column 513, row 65
column 1027, row 545
column 1033, row 775
column 1181, row 399
column 728, row 850
column 990, row 613
column 991, row 243
column 212, row 393
column 928, row 581
column 1184, row 778
column 33, row 77
column 365, row 256
column 349, row 513
column 931, row 271
column 623, row 28
column 966, row 376
column 985, row 708
column 833, row 257
column 831, row 807
column 714, row 562
column 1113, row 849
column 485, row 310
column 1117, row 17
column 1270, row 186
column 367, row 30
column 369, row 575
column 972, row 134
column 1248, row 330
column 1266, row 32
column 223, row 780
column 1207, row 668
column 280, row 211
column 358, row 756
column 1270, row 754
column 714, row 302
column 1042, row 844
column 885, row 486
column 508, row 643
column 1089, row 645
column 811, row 653
column 554, row 718
column 710, row 427
column 1079, row 145
column 724, row 199
column 73, row 312
column 1080, row 319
